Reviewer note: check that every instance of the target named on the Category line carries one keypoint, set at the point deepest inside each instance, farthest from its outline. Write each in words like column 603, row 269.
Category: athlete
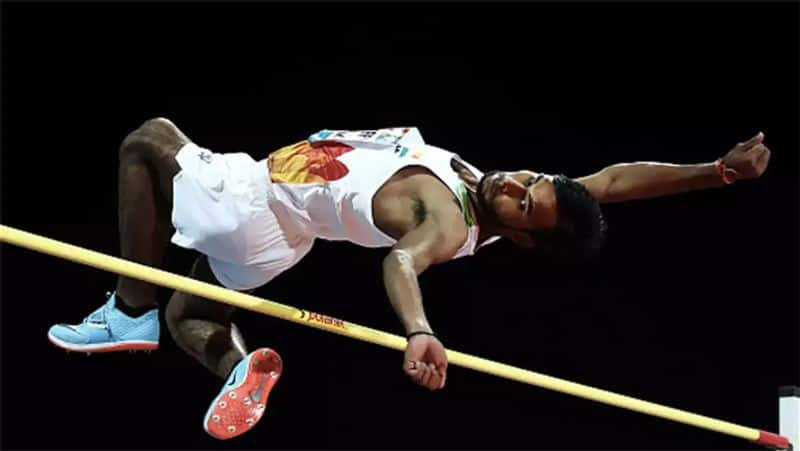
column 251, row 220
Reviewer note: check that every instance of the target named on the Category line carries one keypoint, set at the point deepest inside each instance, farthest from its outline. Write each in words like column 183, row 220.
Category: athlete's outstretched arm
column 435, row 240
column 642, row 180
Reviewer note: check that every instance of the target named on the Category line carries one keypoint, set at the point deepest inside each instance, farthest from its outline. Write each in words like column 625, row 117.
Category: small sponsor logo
column 257, row 394
column 219, row 186
column 323, row 319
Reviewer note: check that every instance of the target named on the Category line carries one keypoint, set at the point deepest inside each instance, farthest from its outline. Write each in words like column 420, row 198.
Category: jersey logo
column 402, row 151
column 305, row 162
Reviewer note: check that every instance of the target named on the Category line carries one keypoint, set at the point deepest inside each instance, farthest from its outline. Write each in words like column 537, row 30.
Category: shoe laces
column 99, row 316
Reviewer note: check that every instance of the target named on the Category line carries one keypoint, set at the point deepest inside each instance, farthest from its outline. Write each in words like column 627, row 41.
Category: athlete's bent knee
column 158, row 125
column 154, row 138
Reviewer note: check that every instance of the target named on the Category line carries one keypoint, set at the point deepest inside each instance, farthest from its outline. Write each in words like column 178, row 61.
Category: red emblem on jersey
column 305, row 162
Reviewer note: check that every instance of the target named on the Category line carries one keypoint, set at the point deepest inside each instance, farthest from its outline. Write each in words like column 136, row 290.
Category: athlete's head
column 554, row 214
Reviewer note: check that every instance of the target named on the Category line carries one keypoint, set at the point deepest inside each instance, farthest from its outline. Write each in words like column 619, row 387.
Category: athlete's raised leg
column 204, row 329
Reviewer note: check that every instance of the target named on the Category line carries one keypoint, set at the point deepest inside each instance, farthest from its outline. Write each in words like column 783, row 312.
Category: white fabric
column 221, row 208
column 251, row 229
column 342, row 209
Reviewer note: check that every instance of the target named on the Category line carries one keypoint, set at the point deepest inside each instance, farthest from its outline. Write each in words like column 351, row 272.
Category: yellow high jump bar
column 330, row 324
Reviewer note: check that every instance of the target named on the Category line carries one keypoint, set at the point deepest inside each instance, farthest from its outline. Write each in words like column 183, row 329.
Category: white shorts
column 223, row 207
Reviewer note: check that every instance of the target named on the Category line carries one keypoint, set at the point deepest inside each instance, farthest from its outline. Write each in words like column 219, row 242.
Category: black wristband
column 419, row 333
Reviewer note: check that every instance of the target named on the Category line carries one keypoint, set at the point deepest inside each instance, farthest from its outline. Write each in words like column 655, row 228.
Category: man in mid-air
column 251, row 220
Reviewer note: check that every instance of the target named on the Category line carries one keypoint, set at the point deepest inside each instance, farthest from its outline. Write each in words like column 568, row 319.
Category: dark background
column 694, row 302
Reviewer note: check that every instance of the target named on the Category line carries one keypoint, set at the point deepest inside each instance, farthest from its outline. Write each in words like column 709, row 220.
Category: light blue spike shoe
column 108, row 329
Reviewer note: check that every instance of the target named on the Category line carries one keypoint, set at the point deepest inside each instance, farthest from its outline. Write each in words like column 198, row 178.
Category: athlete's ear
column 520, row 238
column 463, row 171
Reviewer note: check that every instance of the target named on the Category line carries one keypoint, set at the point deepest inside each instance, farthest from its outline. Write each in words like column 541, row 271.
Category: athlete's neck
column 484, row 220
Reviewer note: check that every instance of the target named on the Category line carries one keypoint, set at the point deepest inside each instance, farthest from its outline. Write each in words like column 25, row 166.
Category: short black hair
column 580, row 228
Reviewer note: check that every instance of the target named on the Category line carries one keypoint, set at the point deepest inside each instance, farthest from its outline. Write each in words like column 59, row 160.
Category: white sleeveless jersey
column 328, row 181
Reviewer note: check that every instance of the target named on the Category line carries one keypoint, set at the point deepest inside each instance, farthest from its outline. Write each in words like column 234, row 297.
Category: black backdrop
column 693, row 304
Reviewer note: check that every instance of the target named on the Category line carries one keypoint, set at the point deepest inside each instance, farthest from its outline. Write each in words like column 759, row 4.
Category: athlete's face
column 523, row 200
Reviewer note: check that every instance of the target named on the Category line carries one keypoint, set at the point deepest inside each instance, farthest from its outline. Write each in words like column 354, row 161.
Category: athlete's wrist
column 725, row 175
column 413, row 334
column 419, row 326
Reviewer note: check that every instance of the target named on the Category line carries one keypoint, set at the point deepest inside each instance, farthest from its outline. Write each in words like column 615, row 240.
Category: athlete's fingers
column 435, row 380
column 753, row 141
column 426, row 376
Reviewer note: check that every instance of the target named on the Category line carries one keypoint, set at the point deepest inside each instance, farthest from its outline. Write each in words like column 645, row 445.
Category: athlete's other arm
column 436, row 239
column 641, row 180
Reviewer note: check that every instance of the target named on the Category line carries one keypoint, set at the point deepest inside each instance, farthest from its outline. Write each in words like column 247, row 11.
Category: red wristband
column 727, row 174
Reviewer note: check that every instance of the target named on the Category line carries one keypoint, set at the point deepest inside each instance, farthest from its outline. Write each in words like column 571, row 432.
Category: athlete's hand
column 426, row 362
column 748, row 159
